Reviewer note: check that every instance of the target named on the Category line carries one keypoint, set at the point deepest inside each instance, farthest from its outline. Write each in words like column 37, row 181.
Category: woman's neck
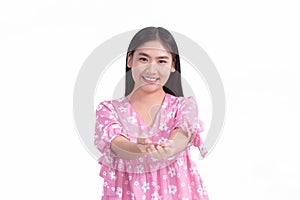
column 141, row 97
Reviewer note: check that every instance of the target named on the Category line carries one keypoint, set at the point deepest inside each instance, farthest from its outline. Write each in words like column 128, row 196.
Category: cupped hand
column 162, row 151
column 143, row 145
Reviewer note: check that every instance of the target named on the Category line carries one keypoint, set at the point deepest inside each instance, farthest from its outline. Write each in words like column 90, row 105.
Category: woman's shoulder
column 181, row 99
column 112, row 103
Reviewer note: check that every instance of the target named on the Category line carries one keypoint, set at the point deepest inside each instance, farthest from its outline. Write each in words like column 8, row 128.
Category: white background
column 254, row 44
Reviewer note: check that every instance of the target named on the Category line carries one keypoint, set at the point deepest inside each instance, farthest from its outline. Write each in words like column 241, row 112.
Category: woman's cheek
column 136, row 72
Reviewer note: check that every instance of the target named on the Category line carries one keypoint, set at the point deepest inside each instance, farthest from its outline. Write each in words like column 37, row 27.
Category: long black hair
column 173, row 85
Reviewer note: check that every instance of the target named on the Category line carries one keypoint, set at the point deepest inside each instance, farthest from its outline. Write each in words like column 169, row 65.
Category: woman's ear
column 173, row 67
column 129, row 60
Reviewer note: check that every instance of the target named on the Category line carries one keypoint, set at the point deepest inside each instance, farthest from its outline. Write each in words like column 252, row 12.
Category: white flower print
column 120, row 99
column 183, row 184
column 140, row 169
column 111, row 116
column 171, row 171
column 146, row 186
column 155, row 196
column 115, row 126
column 119, row 192
column 112, row 175
column 193, row 170
column 136, row 183
column 141, row 159
column 203, row 150
column 171, row 158
column 144, row 197
column 108, row 159
column 164, row 105
column 162, row 140
column 164, row 177
column 204, row 190
column 171, row 114
column 132, row 196
column 99, row 107
column 163, row 126
column 105, row 184
column 120, row 166
column 100, row 126
column 126, row 182
column 179, row 162
column 200, row 190
column 184, row 198
column 128, row 167
column 154, row 159
column 131, row 120
column 172, row 189
column 185, row 112
column 123, row 109
column 157, row 166
column 189, row 188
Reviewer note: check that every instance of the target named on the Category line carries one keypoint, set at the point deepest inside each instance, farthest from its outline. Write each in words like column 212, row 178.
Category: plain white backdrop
column 254, row 45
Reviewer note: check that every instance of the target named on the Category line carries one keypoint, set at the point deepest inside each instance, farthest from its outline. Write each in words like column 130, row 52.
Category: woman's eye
column 162, row 61
column 143, row 59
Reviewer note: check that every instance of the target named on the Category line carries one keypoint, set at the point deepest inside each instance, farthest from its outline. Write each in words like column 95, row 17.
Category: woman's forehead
column 152, row 48
column 153, row 52
column 153, row 45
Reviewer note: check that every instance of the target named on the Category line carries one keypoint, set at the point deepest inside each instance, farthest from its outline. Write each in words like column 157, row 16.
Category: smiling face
column 151, row 64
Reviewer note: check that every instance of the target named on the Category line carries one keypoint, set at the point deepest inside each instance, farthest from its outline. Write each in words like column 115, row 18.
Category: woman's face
column 151, row 65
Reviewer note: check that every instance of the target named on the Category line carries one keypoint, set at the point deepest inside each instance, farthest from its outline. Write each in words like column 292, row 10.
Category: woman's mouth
column 150, row 79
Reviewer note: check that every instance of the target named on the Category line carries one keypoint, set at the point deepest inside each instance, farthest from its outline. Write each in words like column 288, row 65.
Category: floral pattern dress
column 147, row 178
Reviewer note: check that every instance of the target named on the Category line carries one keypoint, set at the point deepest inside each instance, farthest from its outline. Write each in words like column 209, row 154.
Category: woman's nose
column 152, row 68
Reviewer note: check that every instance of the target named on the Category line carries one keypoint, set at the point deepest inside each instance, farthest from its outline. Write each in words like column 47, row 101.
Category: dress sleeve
column 187, row 119
column 107, row 127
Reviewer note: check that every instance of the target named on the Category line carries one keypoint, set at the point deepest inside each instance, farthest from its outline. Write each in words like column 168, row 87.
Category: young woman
column 145, row 136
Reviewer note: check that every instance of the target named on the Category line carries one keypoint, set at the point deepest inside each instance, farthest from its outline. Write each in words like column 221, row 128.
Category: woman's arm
column 180, row 140
column 127, row 150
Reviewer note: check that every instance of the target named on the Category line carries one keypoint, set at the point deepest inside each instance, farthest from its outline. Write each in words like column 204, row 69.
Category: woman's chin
column 150, row 88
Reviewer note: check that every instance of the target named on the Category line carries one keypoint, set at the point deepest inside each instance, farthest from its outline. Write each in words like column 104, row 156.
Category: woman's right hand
column 143, row 144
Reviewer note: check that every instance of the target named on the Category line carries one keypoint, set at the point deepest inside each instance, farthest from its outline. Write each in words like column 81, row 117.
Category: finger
column 152, row 147
column 169, row 151
column 141, row 147
column 147, row 141
column 143, row 141
column 169, row 143
column 154, row 154
column 162, row 153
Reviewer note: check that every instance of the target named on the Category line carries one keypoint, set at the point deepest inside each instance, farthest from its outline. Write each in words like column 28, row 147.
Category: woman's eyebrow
column 159, row 57
column 143, row 54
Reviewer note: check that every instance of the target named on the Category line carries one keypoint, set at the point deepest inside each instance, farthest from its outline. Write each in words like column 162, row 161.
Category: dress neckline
column 154, row 121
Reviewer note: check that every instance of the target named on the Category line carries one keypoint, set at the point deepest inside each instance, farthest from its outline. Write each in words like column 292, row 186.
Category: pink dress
column 147, row 178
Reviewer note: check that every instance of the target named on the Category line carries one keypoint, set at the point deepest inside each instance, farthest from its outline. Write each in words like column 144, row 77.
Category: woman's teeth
column 150, row 79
